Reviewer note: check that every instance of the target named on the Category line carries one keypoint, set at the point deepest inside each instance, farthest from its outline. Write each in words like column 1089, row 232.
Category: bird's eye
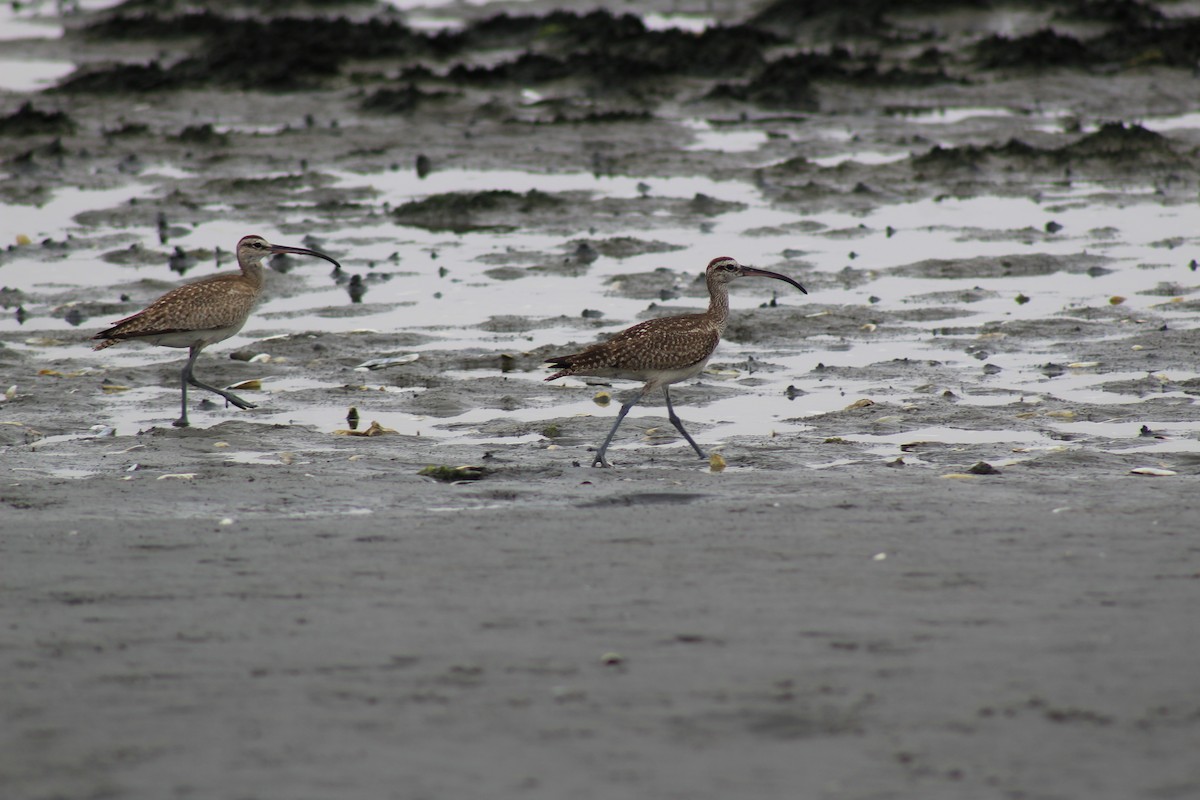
column 730, row 267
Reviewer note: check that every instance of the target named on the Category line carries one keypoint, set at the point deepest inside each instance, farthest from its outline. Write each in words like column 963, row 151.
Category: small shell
column 179, row 476
column 1154, row 472
column 391, row 361
column 252, row 385
column 716, row 462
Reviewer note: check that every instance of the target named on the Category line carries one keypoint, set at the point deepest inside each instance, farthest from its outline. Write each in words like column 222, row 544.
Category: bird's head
column 253, row 249
column 724, row 269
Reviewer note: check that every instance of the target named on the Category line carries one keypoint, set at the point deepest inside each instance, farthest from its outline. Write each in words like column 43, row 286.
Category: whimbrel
column 203, row 312
column 665, row 350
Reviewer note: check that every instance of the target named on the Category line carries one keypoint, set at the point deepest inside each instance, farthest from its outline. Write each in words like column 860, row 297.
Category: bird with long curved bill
column 663, row 351
column 203, row 312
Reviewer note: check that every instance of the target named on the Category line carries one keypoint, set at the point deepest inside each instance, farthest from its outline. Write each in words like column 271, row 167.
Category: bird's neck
column 718, row 303
column 254, row 273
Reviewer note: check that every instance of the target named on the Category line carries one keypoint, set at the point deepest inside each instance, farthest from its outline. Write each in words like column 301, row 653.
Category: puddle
column 730, row 140
column 684, row 22
column 862, row 157
column 1172, row 123
column 31, row 76
column 54, row 218
column 39, row 19
column 951, row 116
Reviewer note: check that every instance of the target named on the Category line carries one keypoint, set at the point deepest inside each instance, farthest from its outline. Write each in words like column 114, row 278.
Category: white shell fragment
column 1154, row 472
column 381, row 363
column 179, row 476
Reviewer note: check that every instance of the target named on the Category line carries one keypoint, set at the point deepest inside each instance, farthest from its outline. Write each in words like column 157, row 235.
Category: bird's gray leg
column 678, row 423
column 189, row 377
column 184, row 377
column 599, row 461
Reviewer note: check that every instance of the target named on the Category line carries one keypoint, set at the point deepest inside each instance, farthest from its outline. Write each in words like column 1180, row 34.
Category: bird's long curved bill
column 766, row 273
column 276, row 249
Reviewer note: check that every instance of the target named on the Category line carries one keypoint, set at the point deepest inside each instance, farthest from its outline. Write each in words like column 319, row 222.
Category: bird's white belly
column 190, row 338
column 656, row 377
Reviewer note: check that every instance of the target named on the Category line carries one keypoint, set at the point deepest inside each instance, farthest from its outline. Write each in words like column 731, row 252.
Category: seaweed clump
column 464, row 211
column 1044, row 48
column 29, row 121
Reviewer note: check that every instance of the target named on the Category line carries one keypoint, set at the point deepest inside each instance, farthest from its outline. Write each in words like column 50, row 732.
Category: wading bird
column 203, row 312
column 665, row 350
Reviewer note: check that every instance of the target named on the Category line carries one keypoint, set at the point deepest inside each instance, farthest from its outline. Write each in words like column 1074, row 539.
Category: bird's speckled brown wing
column 213, row 303
column 670, row 343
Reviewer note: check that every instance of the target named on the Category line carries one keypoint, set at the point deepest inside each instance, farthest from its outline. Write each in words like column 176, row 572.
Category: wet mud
column 949, row 547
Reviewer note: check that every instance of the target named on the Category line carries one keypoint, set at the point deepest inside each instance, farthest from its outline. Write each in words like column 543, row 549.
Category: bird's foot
column 599, row 461
column 182, row 422
column 237, row 401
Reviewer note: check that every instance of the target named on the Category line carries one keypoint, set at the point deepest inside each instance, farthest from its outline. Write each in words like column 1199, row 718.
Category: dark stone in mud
column 1121, row 143
column 204, row 135
column 614, row 49
column 998, row 267
column 527, row 68
column 598, row 117
column 1125, row 13
column 1115, row 144
column 120, row 79
column 711, row 206
column 848, row 18
column 458, row 211
column 452, row 474
column 128, row 129
column 29, row 121
column 623, row 247
column 400, row 101
column 972, row 156
column 1045, row 48
column 1171, row 43
column 280, row 54
column 788, row 82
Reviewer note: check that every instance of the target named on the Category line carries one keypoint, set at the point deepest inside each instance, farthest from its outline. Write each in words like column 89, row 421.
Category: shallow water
column 453, row 306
